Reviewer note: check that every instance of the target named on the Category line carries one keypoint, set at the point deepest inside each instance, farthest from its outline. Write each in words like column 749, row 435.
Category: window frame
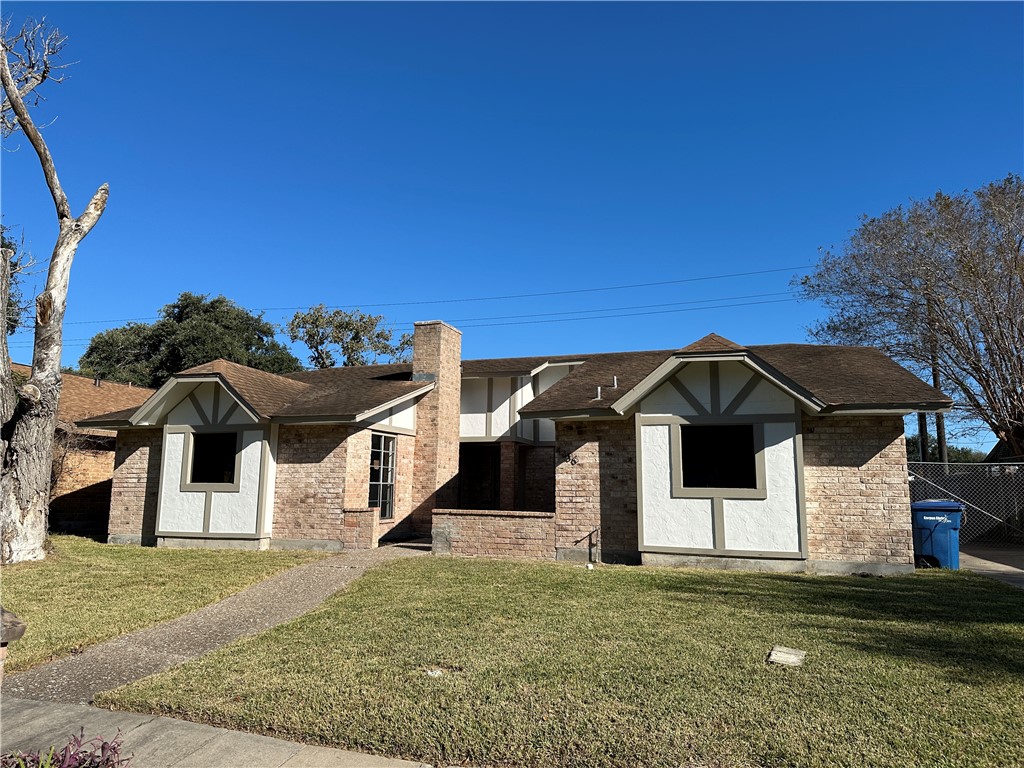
column 187, row 456
column 680, row 491
column 386, row 512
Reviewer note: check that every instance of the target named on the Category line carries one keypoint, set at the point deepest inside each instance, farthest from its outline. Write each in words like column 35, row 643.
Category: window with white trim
column 719, row 456
column 382, row 475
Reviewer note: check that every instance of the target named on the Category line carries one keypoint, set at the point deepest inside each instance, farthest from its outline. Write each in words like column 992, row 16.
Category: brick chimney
column 437, row 357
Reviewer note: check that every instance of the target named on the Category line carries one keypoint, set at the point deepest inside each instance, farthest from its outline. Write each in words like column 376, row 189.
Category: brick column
column 136, row 487
column 509, row 476
column 437, row 357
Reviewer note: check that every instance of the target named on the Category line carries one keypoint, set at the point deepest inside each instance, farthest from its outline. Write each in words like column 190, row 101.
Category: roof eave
column 904, row 409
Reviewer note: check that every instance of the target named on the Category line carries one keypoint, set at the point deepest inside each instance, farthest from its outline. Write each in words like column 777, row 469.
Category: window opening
column 382, row 475
column 213, row 457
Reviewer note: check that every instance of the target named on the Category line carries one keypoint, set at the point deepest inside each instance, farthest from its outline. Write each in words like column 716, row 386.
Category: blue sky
column 287, row 154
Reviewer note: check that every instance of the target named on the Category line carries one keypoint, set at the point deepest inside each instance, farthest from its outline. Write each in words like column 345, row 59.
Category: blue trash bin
column 936, row 524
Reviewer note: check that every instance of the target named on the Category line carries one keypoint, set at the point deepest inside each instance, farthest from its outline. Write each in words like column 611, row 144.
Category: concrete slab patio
column 1003, row 563
column 156, row 742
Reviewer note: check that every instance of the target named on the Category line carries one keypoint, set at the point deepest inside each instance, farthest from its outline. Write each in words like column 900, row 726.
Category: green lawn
column 553, row 665
column 86, row 592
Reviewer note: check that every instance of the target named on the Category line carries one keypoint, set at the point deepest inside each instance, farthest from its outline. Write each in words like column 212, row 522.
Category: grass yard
column 554, row 665
column 86, row 592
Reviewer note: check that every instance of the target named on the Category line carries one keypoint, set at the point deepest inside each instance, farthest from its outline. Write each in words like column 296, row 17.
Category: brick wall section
column 309, row 493
column 537, row 470
column 437, row 352
column 136, row 486
column 596, row 489
column 360, row 528
column 80, row 499
column 858, row 499
column 509, row 475
column 494, row 533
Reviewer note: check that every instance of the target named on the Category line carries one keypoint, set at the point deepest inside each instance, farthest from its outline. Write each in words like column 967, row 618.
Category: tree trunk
column 29, row 411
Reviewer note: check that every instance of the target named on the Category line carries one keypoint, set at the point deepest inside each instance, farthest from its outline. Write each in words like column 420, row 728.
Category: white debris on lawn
column 791, row 657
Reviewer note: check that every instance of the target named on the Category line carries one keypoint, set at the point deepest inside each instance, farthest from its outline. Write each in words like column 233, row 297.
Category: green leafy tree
column 359, row 338
column 939, row 285
column 956, row 454
column 190, row 331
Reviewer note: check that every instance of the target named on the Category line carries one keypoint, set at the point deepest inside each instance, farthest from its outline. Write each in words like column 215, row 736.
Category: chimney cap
column 419, row 323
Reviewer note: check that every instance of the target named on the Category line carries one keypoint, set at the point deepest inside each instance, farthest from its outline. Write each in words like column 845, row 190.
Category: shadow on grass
column 962, row 624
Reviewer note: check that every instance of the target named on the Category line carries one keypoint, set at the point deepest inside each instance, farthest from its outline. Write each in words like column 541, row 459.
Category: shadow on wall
column 83, row 512
column 619, row 533
column 152, row 499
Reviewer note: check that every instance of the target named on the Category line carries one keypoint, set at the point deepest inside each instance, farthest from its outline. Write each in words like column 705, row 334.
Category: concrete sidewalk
column 156, row 742
column 1005, row 564
column 280, row 598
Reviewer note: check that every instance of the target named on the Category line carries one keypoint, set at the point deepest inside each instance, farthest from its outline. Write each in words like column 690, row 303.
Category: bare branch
column 20, row 110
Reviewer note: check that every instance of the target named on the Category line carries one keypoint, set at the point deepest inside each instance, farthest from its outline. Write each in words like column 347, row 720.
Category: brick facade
column 858, row 498
column 537, row 478
column 80, row 497
column 309, row 490
column 494, row 533
column 437, row 356
column 595, row 490
column 135, row 489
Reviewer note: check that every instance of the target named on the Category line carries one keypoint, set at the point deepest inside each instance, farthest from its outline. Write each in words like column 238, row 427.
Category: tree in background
column 957, row 454
column 358, row 337
column 939, row 285
column 190, row 331
column 17, row 262
column 29, row 57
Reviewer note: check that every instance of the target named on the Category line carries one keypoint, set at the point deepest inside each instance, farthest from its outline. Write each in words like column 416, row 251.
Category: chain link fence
column 993, row 495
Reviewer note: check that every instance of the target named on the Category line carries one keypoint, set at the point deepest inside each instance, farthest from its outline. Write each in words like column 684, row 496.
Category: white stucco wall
column 235, row 512
column 772, row 524
column 669, row 522
column 179, row 512
column 769, row 525
column 473, row 408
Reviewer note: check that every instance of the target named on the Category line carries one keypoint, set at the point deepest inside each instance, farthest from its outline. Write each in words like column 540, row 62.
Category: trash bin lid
column 937, row 505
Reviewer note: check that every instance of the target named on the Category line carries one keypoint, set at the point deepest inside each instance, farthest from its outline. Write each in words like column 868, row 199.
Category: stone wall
column 858, row 498
column 135, row 489
column 595, row 491
column 437, row 356
column 494, row 533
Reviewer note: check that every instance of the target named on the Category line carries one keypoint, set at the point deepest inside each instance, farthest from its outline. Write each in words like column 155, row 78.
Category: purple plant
column 77, row 753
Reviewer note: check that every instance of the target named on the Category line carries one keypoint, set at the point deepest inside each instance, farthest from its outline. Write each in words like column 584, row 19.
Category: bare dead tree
column 28, row 411
column 939, row 285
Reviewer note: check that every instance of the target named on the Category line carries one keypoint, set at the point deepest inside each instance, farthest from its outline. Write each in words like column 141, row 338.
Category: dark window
column 382, row 475
column 719, row 456
column 213, row 457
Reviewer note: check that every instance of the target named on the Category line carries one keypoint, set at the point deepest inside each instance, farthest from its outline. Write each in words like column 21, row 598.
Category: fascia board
column 791, row 388
column 674, row 364
column 647, row 384
column 396, row 401
column 875, row 409
column 158, row 399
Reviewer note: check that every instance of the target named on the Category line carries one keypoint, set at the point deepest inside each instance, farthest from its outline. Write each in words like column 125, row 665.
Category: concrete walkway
column 1005, row 564
column 280, row 598
column 43, row 706
column 157, row 742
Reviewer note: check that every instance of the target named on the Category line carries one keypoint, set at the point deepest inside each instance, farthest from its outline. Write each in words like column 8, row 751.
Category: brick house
column 83, row 458
column 780, row 457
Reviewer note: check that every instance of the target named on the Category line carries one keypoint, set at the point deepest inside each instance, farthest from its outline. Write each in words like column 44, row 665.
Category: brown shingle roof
column 710, row 345
column 511, row 366
column 267, row 393
column 849, row 376
column 346, row 392
column 577, row 390
column 838, row 377
column 81, row 397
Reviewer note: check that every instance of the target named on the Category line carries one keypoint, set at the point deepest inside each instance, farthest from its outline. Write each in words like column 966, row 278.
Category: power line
column 424, row 302
column 547, row 293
